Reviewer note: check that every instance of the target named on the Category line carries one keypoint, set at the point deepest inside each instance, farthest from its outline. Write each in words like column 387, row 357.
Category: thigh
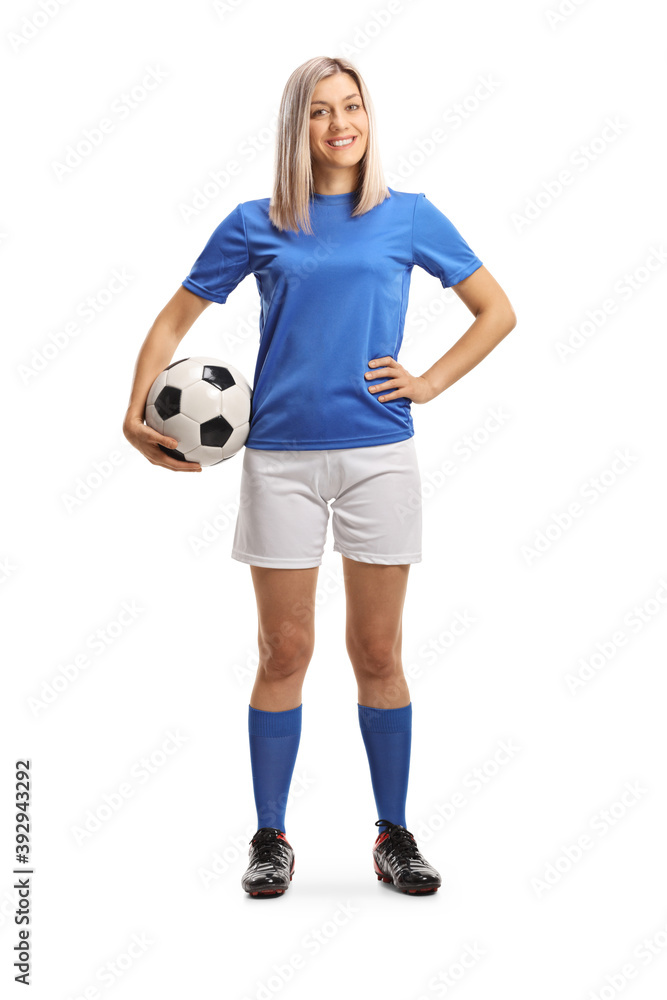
column 285, row 608
column 377, row 511
column 375, row 596
column 282, row 519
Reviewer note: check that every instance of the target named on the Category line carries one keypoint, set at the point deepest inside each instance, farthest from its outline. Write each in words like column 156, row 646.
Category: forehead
column 336, row 87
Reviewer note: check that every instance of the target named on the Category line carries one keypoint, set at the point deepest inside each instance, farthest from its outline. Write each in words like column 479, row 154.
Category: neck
column 335, row 181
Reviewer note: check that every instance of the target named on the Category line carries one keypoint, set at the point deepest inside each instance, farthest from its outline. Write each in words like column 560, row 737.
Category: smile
column 340, row 143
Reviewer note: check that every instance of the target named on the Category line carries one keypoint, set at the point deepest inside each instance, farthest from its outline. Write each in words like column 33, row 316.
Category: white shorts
column 375, row 496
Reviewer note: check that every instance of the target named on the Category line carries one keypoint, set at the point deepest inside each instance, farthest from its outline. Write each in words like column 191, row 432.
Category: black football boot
column 271, row 863
column 396, row 859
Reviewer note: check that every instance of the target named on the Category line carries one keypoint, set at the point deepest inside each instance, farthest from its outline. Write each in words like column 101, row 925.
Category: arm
column 494, row 319
column 157, row 350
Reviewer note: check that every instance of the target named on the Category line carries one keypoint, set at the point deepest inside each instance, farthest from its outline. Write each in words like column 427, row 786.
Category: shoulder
column 404, row 203
column 254, row 206
column 405, row 196
column 400, row 204
column 402, row 199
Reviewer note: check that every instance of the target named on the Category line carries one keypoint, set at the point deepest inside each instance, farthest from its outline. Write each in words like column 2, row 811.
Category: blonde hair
column 293, row 179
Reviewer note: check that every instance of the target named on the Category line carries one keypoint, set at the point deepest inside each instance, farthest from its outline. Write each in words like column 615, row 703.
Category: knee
column 282, row 656
column 377, row 658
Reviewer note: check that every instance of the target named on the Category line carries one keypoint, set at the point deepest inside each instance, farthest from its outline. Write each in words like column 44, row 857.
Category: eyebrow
column 326, row 102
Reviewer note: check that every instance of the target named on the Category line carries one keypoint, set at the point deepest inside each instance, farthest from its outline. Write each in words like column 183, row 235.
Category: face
column 337, row 112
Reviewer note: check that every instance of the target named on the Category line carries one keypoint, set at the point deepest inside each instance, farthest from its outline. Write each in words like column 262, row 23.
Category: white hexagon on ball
column 202, row 401
column 235, row 405
column 184, row 373
column 185, row 430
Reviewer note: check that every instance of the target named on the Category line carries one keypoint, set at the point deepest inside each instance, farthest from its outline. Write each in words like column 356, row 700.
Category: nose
column 337, row 120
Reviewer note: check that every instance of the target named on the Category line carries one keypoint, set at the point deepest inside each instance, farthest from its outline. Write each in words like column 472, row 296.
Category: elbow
column 506, row 311
column 506, row 315
column 503, row 314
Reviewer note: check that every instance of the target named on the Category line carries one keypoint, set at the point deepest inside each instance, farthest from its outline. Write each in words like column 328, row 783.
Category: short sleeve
column 224, row 262
column 438, row 246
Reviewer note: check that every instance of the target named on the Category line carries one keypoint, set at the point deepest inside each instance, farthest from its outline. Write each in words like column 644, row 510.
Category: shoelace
column 402, row 841
column 265, row 844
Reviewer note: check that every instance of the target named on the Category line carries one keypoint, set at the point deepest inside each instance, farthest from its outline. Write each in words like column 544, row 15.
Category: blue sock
column 274, row 741
column 387, row 735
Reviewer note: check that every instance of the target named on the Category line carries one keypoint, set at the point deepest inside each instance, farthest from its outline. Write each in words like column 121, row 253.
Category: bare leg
column 285, row 635
column 375, row 595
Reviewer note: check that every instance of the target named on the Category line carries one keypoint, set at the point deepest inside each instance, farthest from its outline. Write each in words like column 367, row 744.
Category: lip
column 338, row 138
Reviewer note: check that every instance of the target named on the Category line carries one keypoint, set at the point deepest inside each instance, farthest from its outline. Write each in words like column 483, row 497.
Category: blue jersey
column 330, row 302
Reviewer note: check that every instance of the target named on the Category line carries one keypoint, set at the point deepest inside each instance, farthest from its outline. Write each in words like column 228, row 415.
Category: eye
column 316, row 114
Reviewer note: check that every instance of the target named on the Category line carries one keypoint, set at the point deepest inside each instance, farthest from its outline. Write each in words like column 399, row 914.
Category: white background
column 539, row 924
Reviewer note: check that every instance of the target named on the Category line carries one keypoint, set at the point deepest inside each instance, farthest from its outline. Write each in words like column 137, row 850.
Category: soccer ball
column 205, row 404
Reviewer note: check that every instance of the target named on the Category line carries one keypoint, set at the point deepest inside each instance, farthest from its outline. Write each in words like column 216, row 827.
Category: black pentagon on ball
column 168, row 402
column 174, row 454
column 215, row 433
column 217, row 375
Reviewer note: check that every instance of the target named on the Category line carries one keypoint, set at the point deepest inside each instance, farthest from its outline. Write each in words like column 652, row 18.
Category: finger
column 389, row 369
column 176, row 466
column 169, row 462
column 154, row 437
column 385, row 392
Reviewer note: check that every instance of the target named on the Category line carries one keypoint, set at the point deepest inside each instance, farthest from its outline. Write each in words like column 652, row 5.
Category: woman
column 332, row 253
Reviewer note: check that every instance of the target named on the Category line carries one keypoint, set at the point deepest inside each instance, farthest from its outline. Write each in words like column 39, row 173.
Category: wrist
column 433, row 389
column 132, row 416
